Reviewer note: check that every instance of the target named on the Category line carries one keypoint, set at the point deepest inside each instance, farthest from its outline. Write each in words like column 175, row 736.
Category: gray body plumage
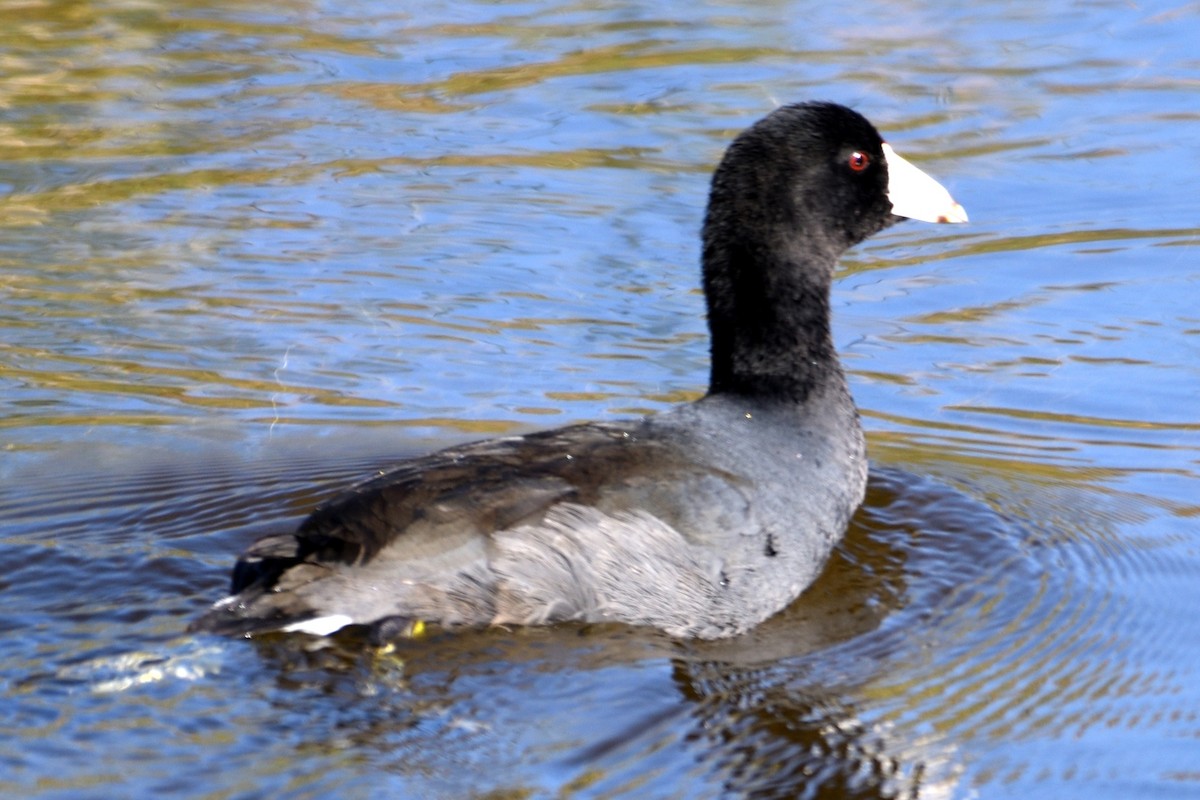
column 689, row 538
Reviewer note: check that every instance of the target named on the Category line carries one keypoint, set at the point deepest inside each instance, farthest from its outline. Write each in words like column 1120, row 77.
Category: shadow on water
column 790, row 710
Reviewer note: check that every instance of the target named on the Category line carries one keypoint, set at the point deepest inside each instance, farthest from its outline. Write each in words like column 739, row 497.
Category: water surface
column 249, row 254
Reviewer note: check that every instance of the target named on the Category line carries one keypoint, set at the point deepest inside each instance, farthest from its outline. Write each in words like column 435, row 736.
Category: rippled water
column 250, row 253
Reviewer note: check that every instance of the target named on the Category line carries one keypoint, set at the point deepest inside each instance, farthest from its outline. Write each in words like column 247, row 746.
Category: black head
column 810, row 177
column 791, row 194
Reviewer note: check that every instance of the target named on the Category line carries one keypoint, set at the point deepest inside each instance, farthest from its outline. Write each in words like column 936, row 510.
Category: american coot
column 702, row 521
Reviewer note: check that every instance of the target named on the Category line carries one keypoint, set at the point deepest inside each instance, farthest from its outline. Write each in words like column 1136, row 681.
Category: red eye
column 859, row 161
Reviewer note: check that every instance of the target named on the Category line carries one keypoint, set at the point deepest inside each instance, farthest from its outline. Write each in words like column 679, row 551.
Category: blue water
column 248, row 255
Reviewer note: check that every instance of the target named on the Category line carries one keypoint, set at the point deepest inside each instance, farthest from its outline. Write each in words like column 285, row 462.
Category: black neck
column 768, row 317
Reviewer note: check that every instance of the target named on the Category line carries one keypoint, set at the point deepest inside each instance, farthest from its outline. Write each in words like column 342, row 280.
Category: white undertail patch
column 319, row 626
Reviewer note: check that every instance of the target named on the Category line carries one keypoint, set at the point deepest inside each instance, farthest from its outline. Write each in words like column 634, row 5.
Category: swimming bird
column 701, row 521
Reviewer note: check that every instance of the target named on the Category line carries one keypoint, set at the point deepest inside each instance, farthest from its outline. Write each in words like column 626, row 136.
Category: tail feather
column 255, row 604
column 255, row 612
